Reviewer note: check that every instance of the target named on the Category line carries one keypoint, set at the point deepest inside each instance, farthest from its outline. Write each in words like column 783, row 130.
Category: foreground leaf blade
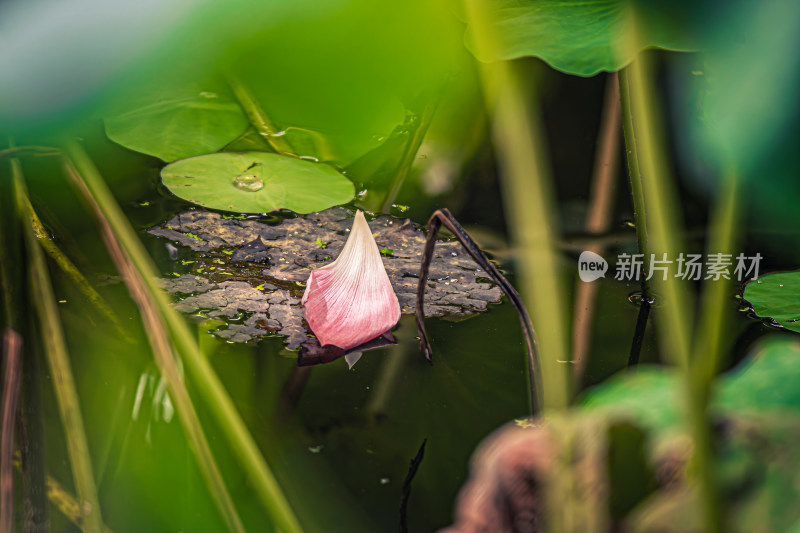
column 166, row 360
column 208, row 383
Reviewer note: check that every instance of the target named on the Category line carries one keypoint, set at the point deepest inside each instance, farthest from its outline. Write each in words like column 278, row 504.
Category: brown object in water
column 504, row 491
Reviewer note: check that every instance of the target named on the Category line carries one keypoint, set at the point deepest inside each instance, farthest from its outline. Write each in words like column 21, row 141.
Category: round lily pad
column 257, row 183
column 776, row 297
column 183, row 124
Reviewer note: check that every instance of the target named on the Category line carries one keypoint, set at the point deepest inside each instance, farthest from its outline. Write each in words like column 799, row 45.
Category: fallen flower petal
column 351, row 301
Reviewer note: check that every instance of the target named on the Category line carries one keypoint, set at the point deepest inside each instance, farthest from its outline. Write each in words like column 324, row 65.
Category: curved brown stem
column 444, row 217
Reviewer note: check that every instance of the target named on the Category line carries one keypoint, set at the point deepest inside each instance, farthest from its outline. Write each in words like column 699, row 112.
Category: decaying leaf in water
column 249, row 272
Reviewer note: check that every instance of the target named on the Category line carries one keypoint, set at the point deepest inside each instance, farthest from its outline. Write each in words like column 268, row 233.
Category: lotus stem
column 444, row 217
column 529, row 199
column 598, row 221
column 258, row 117
column 639, row 216
column 410, row 153
column 663, row 235
column 707, row 349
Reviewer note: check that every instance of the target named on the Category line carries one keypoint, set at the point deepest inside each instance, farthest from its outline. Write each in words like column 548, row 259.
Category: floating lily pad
column 251, row 274
column 179, row 125
column 257, row 183
column 580, row 37
column 776, row 297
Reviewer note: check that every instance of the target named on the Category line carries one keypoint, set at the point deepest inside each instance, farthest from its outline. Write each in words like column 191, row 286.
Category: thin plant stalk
column 58, row 360
column 411, row 149
column 529, row 199
column 444, row 217
column 206, row 380
column 634, row 173
column 69, row 268
column 31, row 440
column 62, row 500
column 675, row 315
column 639, row 217
column 598, row 220
column 650, row 183
column 19, row 151
column 162, row 350
column 12, row 379
column 258, row 117
column 639, row 332
column 29, row 426
column 708, row 348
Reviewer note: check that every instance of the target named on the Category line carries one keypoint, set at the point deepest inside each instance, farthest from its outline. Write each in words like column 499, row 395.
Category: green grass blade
column 529, row 199
column 58, row 360
column 69, row 268
column 165, row 359
column 205, row 379
column 663, row 232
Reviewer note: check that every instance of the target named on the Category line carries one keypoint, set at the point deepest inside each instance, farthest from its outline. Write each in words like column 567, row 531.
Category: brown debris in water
column 250, row 274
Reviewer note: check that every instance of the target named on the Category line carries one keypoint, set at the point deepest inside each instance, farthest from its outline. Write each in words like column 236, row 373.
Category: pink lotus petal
column 351, row 301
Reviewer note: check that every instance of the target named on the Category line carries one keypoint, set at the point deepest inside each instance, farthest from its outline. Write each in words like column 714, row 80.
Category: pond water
column 340, row 441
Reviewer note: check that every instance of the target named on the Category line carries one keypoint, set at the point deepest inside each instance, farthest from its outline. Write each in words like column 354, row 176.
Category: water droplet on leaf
column 248, row 182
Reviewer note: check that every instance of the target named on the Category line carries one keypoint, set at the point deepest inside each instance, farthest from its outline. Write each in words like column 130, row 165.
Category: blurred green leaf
column 776, row 297
column 756, row 450
column 737, row 114
column 745, row 90
column 257, row 183
column 766, row 382
column 583, row 38
column 651, row 397
column 311, row 64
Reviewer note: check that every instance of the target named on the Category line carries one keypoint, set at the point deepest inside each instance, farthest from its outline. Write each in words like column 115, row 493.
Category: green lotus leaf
column 580, row 37
column 777, row 297
column 179, row 125
column 257, row 182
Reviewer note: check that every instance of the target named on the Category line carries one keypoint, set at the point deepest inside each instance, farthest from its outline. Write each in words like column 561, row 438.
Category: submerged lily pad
column 257, row 183
column 776, row 297
column 251, row 274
